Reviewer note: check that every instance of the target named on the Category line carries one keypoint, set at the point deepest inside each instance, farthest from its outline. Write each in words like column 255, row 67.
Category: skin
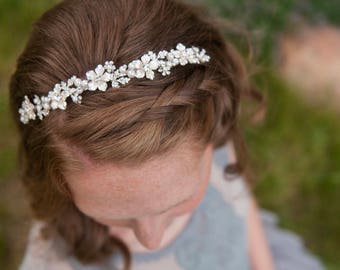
column 148, row 205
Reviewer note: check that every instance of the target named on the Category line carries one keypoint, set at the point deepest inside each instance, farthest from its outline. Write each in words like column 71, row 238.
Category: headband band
column 99, row 78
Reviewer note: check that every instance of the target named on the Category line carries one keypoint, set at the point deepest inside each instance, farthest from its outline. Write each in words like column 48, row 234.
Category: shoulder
column 42, row 254
column 235, row 191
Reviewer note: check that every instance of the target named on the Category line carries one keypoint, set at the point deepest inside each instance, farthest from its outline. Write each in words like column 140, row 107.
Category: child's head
column 131, row 140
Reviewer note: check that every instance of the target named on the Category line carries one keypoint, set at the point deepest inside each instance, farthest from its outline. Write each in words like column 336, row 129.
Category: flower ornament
column 180, row 55
column 27, row 111
column 56, row 98
column 120, row 77
column 98, row 78
column 42, row 106
column 102, row 75
column 144, row 67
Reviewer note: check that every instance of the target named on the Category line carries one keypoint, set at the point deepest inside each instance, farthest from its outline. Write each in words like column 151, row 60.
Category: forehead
column 117, row 190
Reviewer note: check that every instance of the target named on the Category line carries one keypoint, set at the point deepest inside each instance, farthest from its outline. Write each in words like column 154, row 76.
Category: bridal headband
column 99, row 78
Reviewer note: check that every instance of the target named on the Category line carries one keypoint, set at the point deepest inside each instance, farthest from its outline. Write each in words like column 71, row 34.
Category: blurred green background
column 295, row 151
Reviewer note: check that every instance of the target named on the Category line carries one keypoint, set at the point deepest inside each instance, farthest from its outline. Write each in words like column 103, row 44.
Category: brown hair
column 127, row 125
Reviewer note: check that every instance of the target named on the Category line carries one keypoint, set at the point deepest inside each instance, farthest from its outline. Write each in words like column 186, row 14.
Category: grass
column 17, row 16
column 266, row 19
column 295, row 151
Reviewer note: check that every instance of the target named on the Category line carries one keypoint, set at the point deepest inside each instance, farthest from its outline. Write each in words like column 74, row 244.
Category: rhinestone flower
column 98, row 78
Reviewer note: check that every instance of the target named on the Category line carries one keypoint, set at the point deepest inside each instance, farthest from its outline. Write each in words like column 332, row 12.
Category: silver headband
column 99, row 78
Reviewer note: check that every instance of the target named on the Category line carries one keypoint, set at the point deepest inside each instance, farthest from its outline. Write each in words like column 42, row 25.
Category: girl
column 128, row 117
